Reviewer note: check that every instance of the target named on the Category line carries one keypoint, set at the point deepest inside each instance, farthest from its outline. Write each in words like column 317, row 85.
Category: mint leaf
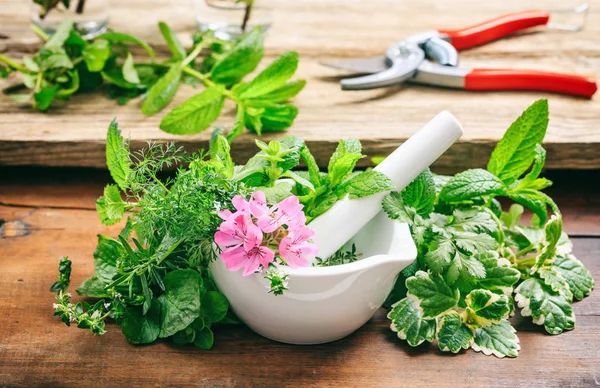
column 110, row 206
column 117, row 155
column 420, row 193
column 112, row 36
column 485, row 307
column 129, row 73
column 163, row 91
column 343, row 160
column 180, row 303
column 408, row 322
column 431, row 293
column 272, row 118
column 513, row 216
column 538, row 163
column 173, row 42
column 498, row 339
column 471, row 184
column 53, row 58
column 282, row 94
column 534, row 202
column 61, row 34
column 453, row 335
column 238, row 125
column 196, row 114
column 580, row 280
column 545, row 306
column 241, row 60
column 220, row 152
column 366, row 183
column 515, row 151
column 96, row 54
column 313, row 168
column 273, row 77
column 555, row 280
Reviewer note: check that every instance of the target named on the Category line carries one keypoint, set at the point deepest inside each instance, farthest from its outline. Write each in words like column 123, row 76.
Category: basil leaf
column 204, row 339
column 53, row 58
column 107, row 252
column 93, row 288
column 43, row 99
column 515, row 151
column 241, row 60
column 196, row 114
column 163, row 91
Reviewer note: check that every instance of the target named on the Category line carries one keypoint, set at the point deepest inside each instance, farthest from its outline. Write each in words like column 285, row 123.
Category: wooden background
column 73, row 134
column 45, row 214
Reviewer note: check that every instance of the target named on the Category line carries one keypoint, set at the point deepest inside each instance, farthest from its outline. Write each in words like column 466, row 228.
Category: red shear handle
column 500, row 79
column 496, row 28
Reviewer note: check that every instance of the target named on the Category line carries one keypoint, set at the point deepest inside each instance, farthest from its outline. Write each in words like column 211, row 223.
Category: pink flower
column 250, row 256
column 285, row 212
column 233, row 231
column 295, row 246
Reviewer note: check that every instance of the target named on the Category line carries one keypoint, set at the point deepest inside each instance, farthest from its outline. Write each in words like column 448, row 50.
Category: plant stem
column 39, row 32
column 14, row 65
column 247, row 13
column 80, row 6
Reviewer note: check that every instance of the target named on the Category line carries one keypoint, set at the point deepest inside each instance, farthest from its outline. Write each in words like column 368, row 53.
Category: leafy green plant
column 68, row 64
column 153, row 278
column 475, row 261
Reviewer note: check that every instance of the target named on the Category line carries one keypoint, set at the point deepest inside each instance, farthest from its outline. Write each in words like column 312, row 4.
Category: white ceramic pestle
column 340, row 223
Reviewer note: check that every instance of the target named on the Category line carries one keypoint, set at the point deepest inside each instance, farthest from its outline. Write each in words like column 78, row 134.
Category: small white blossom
column 55, row 306
column 106, row 305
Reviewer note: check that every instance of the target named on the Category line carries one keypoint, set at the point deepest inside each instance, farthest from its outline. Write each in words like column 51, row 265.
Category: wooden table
column 46, row 214
column 73, row 135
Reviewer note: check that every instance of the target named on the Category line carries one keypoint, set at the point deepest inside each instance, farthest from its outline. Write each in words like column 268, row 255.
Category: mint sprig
column 68, row 64
column 474, row 260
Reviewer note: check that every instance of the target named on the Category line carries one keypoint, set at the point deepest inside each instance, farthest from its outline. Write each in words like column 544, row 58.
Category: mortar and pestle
column 324, row 304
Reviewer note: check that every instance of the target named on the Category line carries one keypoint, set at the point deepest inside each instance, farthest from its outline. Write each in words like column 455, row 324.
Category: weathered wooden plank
column 37, row 350
column 73, row 135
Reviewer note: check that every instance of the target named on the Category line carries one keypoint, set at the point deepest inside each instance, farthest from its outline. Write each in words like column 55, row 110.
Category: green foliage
column 68, row 64
column 473, row 257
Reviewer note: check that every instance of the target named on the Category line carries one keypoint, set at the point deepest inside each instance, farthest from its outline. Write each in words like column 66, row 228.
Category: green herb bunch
column 68, row 64
column 154, row 278
column 475, row 260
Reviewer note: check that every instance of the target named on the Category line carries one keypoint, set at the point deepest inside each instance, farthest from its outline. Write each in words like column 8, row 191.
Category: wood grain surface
column 54, row 217
column 73, row 134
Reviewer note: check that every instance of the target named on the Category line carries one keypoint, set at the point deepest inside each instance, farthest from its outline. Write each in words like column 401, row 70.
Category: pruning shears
column 431, row 58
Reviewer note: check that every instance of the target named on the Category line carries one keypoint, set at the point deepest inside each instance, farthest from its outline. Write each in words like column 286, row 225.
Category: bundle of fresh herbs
column 153, row 278
column 68, row 64
column 475, row 260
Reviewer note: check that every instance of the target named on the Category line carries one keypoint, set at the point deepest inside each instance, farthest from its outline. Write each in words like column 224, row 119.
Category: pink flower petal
column 240, row 204
column 266, row 256
column 225, row 239
column 253, row 237
column 258, row 204
column 268, row 224
column 225, row 214
column 234, row 258
column 252, row 265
